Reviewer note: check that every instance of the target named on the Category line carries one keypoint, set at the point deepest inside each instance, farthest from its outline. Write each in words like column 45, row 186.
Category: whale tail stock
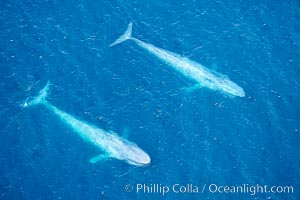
column 124, row 37
column 40, row 98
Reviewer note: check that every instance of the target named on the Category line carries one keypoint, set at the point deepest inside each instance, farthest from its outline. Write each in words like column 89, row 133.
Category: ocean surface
column 201, row 138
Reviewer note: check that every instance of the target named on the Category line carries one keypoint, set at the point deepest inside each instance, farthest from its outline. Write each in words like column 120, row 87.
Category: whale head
column 122, row 149
column 139, row 159
column 231, row 88
column 136, row 156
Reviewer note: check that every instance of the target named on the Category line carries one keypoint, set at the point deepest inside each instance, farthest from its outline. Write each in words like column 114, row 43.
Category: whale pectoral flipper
column 193, row 88
column 125, row 133
column 99, row 158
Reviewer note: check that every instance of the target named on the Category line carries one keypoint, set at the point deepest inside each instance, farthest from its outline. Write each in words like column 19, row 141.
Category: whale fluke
column 40, row 98
column 124, row 37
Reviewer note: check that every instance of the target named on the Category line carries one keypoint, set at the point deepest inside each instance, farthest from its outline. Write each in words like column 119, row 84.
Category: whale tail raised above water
column 124, row 37
column 40, row 98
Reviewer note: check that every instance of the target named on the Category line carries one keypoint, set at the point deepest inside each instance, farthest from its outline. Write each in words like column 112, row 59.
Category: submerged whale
column 109, row 143
column 203, row 76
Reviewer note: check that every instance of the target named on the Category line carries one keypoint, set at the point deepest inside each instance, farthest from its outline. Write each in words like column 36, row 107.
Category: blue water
column 198, row 138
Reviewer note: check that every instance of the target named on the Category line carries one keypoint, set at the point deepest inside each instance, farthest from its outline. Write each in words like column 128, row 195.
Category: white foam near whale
column 203, row 76
column 110, row 144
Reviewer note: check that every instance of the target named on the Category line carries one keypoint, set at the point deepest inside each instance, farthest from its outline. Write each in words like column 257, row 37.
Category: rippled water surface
column 202, row 137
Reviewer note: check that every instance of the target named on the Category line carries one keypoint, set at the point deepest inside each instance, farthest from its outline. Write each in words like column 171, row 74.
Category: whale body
column 203, row 76
column 109, row 143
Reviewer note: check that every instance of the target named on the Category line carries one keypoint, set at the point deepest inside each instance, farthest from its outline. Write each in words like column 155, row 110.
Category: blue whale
column 109, row 143
column 203, row 76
